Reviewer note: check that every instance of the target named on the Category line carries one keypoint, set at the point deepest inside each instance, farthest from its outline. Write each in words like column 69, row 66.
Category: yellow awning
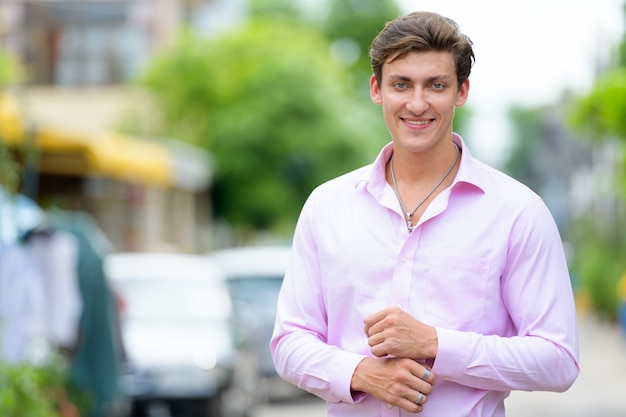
column 89, row 154
column 103, row 154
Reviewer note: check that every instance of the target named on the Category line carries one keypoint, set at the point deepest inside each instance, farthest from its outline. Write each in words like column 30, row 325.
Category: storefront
column 145, row 194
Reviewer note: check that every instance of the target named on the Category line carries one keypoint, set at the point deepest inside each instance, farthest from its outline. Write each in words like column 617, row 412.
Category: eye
column 439, row 86
column 400, row 85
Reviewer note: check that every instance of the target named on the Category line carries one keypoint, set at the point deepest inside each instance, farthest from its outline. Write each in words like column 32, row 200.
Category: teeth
column 416, row 122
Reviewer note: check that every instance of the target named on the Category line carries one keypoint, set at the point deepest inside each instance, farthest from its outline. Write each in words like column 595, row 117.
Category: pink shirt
column 485, row 266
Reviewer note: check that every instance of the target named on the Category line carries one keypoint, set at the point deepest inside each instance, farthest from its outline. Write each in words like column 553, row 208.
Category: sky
column 528, row 52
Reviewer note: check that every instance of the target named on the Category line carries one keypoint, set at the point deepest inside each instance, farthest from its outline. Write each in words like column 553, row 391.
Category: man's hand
column 395, row 381
column 394, row 332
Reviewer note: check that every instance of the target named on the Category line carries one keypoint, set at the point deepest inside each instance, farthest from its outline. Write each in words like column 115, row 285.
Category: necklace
column 409, row 223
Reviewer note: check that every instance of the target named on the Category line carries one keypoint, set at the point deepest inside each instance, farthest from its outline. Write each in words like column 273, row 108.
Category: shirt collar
column 374, row 179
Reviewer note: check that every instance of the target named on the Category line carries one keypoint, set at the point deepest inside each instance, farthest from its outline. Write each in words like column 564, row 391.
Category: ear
column 375, row 94
column 463, row 94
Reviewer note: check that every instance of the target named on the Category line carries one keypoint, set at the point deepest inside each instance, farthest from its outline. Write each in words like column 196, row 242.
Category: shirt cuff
column 345, row 364
column 452, row 354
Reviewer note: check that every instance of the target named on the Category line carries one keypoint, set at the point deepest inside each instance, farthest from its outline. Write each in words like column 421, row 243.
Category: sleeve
column 536, row 287
column 299, row 345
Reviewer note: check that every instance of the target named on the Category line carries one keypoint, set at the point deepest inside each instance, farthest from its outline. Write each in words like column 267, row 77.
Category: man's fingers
column 375, row 318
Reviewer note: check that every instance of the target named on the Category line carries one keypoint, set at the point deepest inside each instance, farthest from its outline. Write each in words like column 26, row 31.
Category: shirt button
column 404, row 260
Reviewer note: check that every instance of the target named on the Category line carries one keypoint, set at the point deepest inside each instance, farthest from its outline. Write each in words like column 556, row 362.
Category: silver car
column 176, row 321
column 255, row 275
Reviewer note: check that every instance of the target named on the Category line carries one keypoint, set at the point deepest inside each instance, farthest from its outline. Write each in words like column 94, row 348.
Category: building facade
column 80, row 57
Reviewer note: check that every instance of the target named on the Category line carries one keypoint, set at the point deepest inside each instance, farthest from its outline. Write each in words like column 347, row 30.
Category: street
column 309, row 406
column 600, row 390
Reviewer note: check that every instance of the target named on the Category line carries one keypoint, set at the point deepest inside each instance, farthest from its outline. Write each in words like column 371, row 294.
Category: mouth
column 416, row 123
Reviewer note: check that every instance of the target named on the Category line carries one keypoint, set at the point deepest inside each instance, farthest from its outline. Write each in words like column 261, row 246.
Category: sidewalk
column 599, row 391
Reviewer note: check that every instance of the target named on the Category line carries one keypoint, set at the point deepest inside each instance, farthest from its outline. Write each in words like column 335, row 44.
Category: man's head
column 422, row 32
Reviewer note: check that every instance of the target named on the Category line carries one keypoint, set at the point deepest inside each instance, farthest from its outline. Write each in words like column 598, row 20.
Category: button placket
column 403, row 271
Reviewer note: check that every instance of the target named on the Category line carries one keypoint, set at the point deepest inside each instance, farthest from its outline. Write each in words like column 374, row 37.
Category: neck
column 408, row 195
column 415, row 168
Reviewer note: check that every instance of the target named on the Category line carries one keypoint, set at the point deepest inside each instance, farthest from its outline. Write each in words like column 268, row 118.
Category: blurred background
column 199, row 127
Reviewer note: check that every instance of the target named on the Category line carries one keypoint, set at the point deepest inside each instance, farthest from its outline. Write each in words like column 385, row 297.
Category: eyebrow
column 400, row 77
column 434, row 78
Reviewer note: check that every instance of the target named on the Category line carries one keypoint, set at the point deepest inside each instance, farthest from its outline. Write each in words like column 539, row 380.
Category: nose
column 418, row 102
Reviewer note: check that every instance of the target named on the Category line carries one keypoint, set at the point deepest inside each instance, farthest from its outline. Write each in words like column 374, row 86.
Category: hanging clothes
column 55, row 253
column 96, row 363
column 21, row 285
column 21, row 304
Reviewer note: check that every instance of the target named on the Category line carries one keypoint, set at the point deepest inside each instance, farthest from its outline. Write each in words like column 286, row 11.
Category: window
column 85, row 43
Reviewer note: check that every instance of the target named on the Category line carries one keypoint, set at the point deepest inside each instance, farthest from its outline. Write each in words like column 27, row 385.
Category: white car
column 176, row 321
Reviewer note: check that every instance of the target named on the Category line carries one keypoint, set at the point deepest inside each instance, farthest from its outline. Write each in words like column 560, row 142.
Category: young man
column 426, row 281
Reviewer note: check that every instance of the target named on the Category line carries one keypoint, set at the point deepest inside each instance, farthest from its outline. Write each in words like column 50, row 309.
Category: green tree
column 351, row 26
column 601, row 248
column 273, row 108
column 275, row 9
column 602, row 113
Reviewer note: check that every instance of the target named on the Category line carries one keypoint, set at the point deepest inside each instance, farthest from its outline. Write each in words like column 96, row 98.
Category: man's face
column 419, row 94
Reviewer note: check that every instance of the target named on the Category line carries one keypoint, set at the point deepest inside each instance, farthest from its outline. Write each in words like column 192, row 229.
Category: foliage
column 10, row 71
column 598, row 265
column 37, row 390
column 274, row 8
column 359, row 20
column 275, row 111
column 10, row 74
column 600, row 244
column 9, row 169
column 351, row 26
column 602, row 114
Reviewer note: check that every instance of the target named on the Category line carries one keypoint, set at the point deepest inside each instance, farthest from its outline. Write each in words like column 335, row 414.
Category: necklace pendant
column 409, row 223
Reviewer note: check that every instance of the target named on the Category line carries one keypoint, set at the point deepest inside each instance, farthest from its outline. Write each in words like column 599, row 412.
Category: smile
column 416, row 122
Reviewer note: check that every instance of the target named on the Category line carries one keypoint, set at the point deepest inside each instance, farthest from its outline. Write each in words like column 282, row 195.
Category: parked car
column 254, row 275
column 176, row 320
